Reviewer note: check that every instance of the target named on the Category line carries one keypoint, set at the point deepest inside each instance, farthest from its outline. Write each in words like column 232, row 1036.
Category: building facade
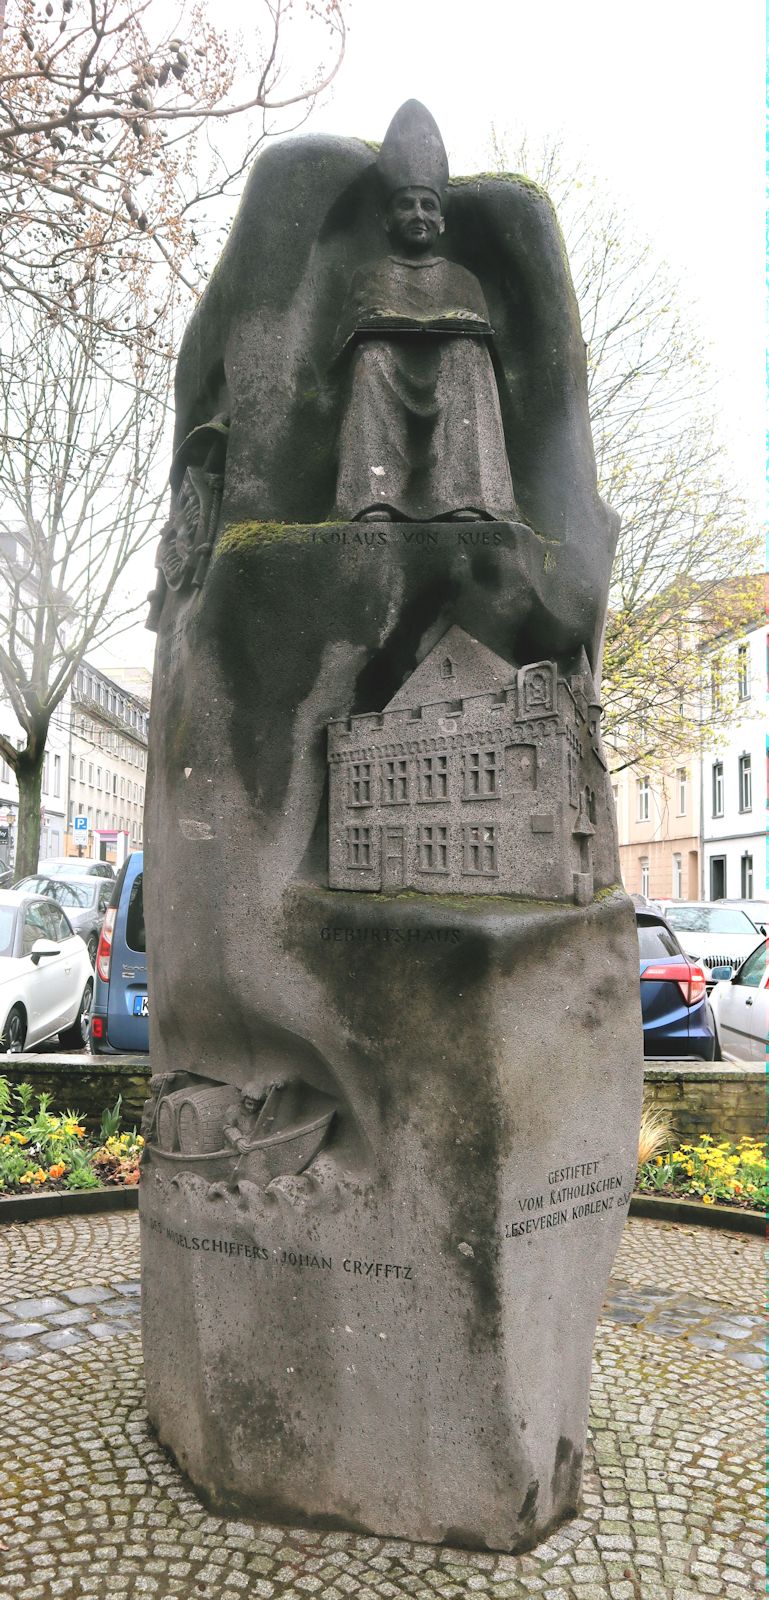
column 107, row 766
column 658, row 824
column 734, row 782
column 458, row 788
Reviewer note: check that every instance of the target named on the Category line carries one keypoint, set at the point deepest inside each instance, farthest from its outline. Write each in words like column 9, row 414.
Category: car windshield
column 7, row 925
column 75, row 896
column 708, row 919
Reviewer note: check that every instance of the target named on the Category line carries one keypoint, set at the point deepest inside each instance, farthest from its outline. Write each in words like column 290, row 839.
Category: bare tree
column 107, row 151
column 686, row 546
column 108, row 118
column 79, row 494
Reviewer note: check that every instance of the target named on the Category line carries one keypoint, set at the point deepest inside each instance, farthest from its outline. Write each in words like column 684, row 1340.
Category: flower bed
column 43, row 1152
column 711, row 1173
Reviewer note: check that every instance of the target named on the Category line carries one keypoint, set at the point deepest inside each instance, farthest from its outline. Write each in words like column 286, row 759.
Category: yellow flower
column 658, row 1160
column 26, row 1177
column 139, row 1139
column 690, row 1168
column 6, row 1139
column 707, row 1199
column 40, row 1176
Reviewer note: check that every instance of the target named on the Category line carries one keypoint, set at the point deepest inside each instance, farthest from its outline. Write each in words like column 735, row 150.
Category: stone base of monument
column 395, row 1334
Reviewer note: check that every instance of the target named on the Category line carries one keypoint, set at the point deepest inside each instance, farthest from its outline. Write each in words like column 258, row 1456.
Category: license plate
column 141, row 1005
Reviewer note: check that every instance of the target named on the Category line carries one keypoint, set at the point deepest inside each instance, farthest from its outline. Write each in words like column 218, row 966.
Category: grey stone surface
column 21, row 1330
column 87, row 1295
column 384, row 1170
column 42, row 1307
column 674, row 1464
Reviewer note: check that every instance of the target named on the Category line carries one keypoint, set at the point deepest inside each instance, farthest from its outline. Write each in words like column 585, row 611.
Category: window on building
column 122, row 788
column 141, row 795
column 447, row 668
column 746, row 877
column 645, row 876
column 643, row 792
column 682, row 787
column 82, row 772
column 98, row 777
column 45, row 772
column 5, row 771
column 360, row 783
column 614, row 792
column 395, row 780
column 480, row 850
column 57, row 776
column 743, row 672
column 482, row 773
column 745, row 783
column 678, row 878
column 717, row 781
column 433, row 777
column 433, row 848
column 90, row 773
column 716, row 681
column 359, row 847
column 114, row 819
column 98, row 817
column 72, row 768
column 114, row 783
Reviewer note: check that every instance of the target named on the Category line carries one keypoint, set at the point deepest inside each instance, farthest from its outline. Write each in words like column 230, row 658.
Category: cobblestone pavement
column 91, row 1507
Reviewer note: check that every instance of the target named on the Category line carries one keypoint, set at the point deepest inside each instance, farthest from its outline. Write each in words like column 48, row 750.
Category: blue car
column 676, row 1016
column 120, row 1011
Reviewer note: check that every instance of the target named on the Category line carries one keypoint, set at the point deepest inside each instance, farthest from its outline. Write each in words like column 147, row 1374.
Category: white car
column 714, row 935
column 46, row 979
column 740, row 1007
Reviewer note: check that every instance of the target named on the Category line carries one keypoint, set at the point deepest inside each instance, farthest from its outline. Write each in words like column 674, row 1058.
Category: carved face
column 414, row 220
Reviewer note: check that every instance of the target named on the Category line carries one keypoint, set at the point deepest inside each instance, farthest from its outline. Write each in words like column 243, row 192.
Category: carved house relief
column 483, row 792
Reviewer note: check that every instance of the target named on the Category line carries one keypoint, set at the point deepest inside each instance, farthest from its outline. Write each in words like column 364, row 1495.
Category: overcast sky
column 662, row 102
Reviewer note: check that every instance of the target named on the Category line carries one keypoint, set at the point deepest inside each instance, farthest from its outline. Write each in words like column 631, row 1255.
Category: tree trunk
column 29, row 775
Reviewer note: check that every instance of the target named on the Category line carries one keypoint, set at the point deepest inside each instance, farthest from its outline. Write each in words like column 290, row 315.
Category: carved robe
column 422, row 432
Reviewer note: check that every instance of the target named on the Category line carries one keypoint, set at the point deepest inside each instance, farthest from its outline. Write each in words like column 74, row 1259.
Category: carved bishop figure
column 421, row 437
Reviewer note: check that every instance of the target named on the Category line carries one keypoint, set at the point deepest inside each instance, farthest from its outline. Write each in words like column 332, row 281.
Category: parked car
column 674, row 1009
column 714, row 934
column 46, row 981
column 120, row 1012
column 85, row 901
column 757, row 910
column 6, row 874
column 76, row 867
column 740, row 1007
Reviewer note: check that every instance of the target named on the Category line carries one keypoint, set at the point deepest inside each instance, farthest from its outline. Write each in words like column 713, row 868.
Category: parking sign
column 80, row 825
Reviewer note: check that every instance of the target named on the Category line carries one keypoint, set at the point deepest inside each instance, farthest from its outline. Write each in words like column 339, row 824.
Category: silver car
column 85, row 901
column 740, row 1007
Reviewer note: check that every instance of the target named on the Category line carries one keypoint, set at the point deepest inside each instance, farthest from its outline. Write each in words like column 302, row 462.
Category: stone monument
column 394, row 985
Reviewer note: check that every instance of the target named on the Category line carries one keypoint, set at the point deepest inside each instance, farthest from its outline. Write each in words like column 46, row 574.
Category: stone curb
column 76, row 1202
column 659, row 1209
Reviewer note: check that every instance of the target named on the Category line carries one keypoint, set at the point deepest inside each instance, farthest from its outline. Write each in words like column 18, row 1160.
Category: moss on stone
column 238, row 537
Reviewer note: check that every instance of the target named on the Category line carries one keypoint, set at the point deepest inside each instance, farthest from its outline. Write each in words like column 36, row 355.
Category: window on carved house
column 359, row 847
column 433, row 777
column 395, row 780
column 433, row 848
column 480, row 850
column 483, row 774
column 360, row 783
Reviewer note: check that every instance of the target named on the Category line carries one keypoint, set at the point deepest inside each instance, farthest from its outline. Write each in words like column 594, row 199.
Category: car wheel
column 15, row 1031
column 75, row 1037
column 92, row 945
